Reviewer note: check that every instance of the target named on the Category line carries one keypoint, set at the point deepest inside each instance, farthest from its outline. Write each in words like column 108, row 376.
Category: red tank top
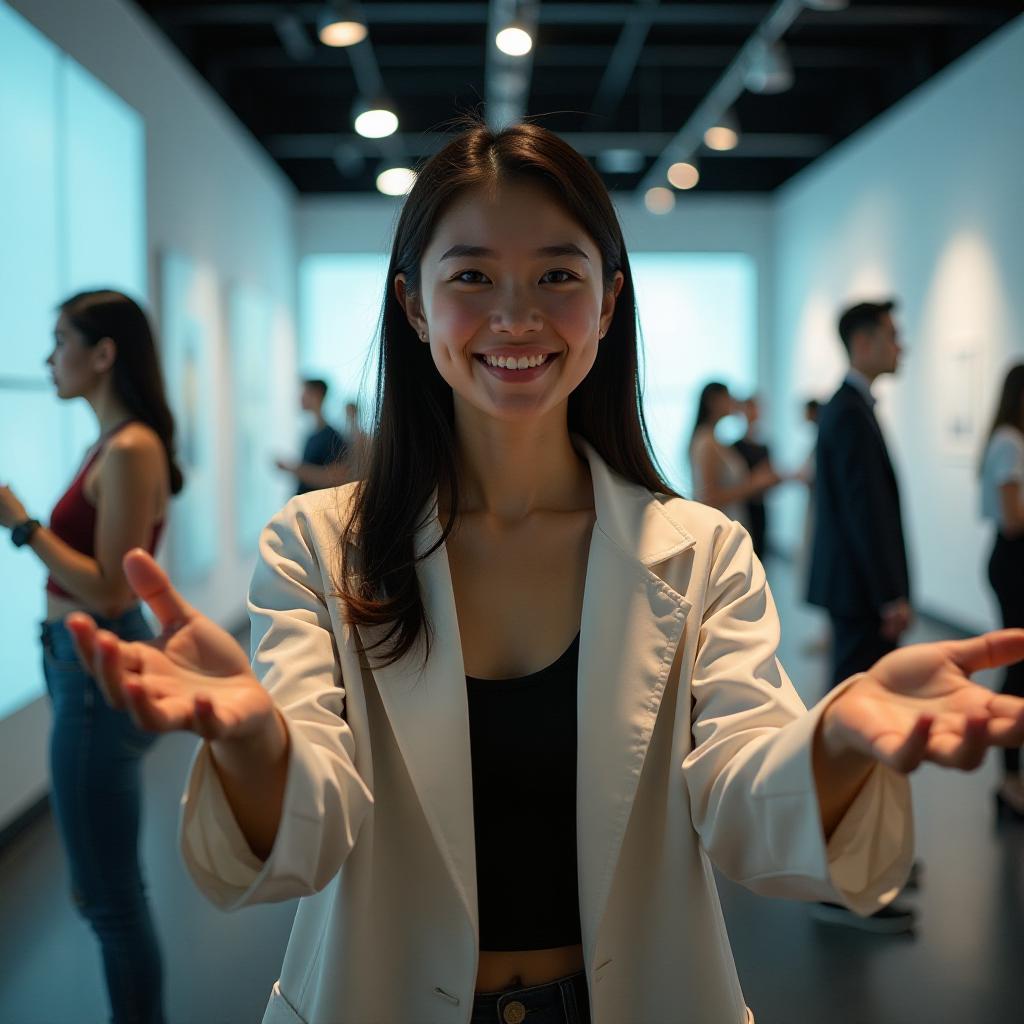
column 73, row 518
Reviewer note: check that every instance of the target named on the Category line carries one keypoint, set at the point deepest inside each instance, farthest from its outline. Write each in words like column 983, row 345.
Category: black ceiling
column 295, row 95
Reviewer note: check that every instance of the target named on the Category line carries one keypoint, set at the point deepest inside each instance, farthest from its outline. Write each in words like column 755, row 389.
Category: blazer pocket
column 280, row 1011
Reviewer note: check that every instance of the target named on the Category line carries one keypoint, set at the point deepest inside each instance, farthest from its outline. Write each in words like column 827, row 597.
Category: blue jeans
column 95, row 761
column 563, row 1001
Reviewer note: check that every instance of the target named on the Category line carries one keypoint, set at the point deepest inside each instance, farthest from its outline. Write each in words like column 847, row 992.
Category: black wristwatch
column 22, row 533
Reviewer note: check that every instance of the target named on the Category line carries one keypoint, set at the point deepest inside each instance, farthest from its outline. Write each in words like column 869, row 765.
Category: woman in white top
column 511, row 502
column 1002, row 500
column 720, row 476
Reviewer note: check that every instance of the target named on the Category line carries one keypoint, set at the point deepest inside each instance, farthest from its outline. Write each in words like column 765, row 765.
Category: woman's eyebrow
column 564, row 249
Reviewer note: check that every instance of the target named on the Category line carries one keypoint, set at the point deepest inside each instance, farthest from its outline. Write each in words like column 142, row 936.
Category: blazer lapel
column 429, row 715
column 632, row 623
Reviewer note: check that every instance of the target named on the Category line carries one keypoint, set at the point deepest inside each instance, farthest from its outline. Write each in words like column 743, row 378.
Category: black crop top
column 523, row 739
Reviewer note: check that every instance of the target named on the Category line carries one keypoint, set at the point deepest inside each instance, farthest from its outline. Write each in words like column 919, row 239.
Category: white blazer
column 693, row 749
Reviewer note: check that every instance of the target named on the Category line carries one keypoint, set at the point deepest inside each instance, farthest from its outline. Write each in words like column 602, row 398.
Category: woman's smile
column 516, row 368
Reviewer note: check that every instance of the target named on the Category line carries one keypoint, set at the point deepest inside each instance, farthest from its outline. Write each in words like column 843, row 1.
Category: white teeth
column 511, row 363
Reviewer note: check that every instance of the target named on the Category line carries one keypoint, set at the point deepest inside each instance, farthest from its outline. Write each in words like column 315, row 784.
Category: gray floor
column 962, row 967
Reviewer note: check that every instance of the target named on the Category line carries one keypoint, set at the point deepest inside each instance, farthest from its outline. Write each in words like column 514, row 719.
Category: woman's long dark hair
column 710, row 391
column 1010, row 410
column 413, row 448
column 138, row 381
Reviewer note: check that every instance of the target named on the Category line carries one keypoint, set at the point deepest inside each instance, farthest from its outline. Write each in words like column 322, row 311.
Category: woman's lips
column 518, row 376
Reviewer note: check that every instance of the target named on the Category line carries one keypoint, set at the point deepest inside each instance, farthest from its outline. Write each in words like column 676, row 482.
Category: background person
column 325, row 453
column 755, row 454
column 1002, row 501
column 859, row 560
column 720, row 475
column 104, row 352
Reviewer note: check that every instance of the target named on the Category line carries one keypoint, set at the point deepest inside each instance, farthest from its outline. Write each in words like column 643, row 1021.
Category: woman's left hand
column 919, row 704
column 12, row 511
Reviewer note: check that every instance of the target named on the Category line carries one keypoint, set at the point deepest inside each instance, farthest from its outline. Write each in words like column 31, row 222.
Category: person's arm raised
column 194, row 677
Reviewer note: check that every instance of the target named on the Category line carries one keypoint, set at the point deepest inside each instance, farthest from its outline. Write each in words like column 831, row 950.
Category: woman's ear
column 410, row 302
column 608, row 302
column 104, row 353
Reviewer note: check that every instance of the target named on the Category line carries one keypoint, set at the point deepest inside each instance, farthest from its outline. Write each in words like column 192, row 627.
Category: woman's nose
column 516, row 316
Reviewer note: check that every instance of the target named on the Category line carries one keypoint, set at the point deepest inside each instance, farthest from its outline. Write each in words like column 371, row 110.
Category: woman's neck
column 508, row 470
column 108, row 409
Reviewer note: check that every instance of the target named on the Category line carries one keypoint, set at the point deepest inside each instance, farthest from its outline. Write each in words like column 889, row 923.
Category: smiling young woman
column 510, row 695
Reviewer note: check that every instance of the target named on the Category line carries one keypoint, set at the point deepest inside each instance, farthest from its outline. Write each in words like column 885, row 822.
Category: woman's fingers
column 150, row 712
column 153, row 585
column 82, row 628
column 990, row 650
column 106, row 666
column 905, row 753
column 965, row 750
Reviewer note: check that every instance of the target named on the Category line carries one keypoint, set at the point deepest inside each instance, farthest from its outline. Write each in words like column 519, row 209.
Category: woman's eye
column 564, row 279
column 469, row 277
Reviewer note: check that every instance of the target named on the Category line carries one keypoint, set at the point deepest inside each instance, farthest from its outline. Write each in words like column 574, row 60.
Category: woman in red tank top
column 104, row 352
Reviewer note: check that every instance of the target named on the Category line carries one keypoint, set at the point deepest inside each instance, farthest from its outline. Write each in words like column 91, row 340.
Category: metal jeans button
column 514, row 1012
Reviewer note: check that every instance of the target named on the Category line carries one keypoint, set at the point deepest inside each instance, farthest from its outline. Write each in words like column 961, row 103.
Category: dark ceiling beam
column 507, row 79
column 754, row 145
column 694, row 14
column 400, row 57
column 295, row 40
column 623, row 62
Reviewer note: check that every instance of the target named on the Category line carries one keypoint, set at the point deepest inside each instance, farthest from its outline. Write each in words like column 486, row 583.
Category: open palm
column 193, row 676
column 919, row 704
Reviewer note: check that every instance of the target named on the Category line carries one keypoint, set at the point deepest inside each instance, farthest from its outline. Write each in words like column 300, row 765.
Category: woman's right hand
column 193, row 677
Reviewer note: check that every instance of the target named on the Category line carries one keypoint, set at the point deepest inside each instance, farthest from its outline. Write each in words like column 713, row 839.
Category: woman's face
column 722, row 405
column 73, row 363
column 508, row 275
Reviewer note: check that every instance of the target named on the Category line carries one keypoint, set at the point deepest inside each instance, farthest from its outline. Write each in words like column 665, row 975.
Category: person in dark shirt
column 325, row 454
column 754, row 454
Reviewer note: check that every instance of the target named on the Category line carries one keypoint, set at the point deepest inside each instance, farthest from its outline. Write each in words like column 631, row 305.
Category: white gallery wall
column 218, row 204
column 924, row 204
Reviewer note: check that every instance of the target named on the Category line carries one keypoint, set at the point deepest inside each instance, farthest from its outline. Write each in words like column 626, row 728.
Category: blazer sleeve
column 325, row 800
column 870, row 516
column 749, row 774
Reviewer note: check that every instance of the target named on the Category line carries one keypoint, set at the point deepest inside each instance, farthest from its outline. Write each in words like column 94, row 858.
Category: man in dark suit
column 859, row 560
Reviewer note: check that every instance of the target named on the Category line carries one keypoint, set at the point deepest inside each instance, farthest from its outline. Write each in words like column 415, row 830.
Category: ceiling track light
column 514, row 40
column 659, row 200
column 340, row 24
column 684, row 175
column 396, row 181
column 724, row 134
column 374, row 118
column 827, row 5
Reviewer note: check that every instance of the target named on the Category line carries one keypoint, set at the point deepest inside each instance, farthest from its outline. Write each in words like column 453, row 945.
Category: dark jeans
column 857, row 643
column 1006, row 574
column 563, row 1001
column 95, row 761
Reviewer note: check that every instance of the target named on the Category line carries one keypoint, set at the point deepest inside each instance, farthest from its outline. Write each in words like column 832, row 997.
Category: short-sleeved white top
column 1003, row 464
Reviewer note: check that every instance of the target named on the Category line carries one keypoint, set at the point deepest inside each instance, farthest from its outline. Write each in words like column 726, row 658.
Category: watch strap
column 22, row 533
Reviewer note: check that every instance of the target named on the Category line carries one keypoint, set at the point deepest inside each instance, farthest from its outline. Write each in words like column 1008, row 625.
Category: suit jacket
column 859, row 559
column 693, row 749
